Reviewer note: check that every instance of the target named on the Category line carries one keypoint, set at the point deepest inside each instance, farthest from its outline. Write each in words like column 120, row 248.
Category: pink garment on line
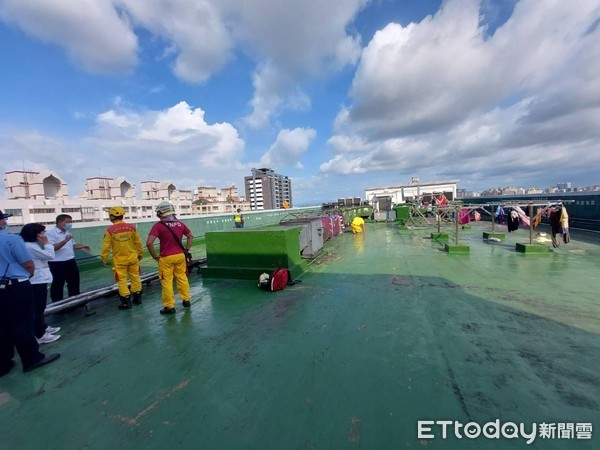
column 464, row 217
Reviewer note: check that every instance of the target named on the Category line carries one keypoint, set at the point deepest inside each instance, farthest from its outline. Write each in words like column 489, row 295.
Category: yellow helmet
column 165, row 209
column 116, row 211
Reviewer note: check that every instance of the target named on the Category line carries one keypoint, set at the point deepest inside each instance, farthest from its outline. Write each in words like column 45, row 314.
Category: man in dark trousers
column 63, row 266
column 17, row 305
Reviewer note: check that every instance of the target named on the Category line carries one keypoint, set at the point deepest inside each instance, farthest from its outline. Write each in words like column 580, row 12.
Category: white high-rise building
column 266, row 189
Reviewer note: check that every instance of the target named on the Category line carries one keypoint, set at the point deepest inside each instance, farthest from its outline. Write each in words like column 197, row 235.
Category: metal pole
column 456, row 220
column 86, row 297
column 530, row 224
column 493, row 221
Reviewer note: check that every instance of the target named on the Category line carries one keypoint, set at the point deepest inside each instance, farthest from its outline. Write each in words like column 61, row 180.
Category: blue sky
column 339, row 95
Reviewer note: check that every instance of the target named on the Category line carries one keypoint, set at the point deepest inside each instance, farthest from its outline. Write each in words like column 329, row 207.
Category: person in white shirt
column 63, row 266
column 41, row 252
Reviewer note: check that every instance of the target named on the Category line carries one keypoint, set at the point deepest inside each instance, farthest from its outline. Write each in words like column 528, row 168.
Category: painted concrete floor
column 383, row 331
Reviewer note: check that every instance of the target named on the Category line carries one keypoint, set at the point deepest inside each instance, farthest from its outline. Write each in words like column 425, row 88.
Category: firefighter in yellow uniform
column 172, row 257
column 124, row 241
column 358, row 225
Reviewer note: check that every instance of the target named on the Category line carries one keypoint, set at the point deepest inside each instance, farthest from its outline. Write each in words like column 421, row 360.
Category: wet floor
column 383, row 331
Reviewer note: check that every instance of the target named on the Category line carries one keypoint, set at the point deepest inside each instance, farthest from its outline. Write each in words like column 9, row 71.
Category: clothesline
column 456, row 208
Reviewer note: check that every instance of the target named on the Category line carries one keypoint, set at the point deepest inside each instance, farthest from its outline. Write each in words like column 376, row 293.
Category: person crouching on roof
column 358, row 225
column 171, row 259
column 124, row 241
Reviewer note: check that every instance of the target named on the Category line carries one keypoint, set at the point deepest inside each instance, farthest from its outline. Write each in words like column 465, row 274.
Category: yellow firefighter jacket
column 124, row 241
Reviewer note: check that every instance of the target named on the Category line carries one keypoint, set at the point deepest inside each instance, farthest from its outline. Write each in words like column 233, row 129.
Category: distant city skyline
column 195, row 192
column 512, row 190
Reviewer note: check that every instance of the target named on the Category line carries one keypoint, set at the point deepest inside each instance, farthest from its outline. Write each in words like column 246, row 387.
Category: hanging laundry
column 464, row 217
column 555, row 226
column 499, row 215
column 476, row 216
column 512, row 221
column 441, row 200
column 559, row 224
column 522, row 216
column 538, row 217
column 564, row 224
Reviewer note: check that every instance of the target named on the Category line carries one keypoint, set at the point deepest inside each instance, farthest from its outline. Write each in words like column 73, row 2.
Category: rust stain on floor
column 354, row 435
column 135, row 420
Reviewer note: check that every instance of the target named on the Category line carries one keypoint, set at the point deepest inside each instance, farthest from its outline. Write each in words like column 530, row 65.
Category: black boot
column 125, row 302
column 137, row 298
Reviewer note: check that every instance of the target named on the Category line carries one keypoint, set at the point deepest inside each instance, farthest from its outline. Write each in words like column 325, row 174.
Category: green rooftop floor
column 384, row 330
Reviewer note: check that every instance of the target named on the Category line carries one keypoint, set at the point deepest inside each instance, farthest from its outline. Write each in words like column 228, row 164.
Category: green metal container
column 402, row 214
column 245, row 254
column 350, row 213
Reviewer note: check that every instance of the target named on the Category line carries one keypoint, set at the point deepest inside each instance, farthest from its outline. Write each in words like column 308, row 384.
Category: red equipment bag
column 278, row 280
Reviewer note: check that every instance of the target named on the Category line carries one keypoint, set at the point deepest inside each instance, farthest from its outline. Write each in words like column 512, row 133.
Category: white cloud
column 345, row 143
column 93, row 32
column 343, row 165
column 118, row 120
column 422, row 76
column 172, row 144
column 443, row 96
column 272, row 89
column 289, row 41
column 269, row 87
column 37, row 152
column 179, row 133
column 288, row 148
column 195, row 31
column 294, row 41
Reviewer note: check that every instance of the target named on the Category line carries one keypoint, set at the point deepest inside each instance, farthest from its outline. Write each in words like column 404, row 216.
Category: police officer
column 17, row 305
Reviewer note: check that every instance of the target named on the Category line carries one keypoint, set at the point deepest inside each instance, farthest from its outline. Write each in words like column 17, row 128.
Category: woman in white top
column 41, row 252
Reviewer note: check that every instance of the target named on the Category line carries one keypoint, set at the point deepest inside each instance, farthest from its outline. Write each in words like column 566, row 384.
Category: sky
column 339, row 95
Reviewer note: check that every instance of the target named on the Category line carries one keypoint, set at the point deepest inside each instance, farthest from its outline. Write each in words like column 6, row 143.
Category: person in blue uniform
column 17, row 305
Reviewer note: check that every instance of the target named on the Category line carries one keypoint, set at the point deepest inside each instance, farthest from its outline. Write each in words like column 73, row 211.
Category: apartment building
column 266, row 189
column 212, row 200
column 21, row 184
column 41, row 196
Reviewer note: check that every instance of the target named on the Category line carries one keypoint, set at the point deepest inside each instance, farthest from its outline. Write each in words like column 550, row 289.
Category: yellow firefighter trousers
column 169, row 267
column 131, row 270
